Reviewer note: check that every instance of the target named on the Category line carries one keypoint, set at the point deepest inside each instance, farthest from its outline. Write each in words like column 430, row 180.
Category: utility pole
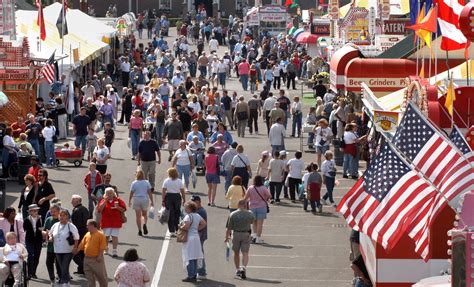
column 129, row 5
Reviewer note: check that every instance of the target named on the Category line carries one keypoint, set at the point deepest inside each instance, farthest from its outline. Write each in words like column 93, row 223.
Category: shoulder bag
column 70, row 237
column 181, row 234
column 268, row 207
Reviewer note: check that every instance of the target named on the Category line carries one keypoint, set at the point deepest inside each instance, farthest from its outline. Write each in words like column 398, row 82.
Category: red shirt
column 111, row 217
column 34, row 171
column 18, row 128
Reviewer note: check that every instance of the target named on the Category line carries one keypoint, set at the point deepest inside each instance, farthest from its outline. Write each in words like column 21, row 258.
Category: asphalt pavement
column 300, row 249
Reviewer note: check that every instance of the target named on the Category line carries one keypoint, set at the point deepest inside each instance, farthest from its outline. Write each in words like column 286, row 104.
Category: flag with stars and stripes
column 440, row 162
column 460, row 141
column 48, row 72
column 384, row 201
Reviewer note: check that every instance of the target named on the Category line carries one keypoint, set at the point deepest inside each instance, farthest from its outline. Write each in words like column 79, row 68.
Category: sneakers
column 238, row 274
column 259, row 240
column 114, row 253
column 201, row 277
column 243, row 274
column 145, row 229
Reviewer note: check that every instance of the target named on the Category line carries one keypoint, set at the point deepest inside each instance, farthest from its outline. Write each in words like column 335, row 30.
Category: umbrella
column 297, row 32
column 306, row 38
column 292, row 29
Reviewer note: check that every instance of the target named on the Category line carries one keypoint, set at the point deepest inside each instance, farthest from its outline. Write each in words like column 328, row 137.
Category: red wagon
column 72, row 156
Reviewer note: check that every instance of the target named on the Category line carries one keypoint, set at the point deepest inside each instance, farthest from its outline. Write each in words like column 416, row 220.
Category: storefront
column 267, row 19
column 16, row 80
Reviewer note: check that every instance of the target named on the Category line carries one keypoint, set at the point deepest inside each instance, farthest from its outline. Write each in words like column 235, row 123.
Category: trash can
column 3, row 192
column 24, row 164
column 338, row 154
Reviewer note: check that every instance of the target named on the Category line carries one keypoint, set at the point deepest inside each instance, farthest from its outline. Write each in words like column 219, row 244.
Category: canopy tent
column 87, row 46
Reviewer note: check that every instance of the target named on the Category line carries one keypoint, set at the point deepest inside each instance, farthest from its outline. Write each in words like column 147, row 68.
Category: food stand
column 269, row 19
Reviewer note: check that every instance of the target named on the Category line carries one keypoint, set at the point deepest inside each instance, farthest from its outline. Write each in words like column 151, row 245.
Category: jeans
column 291, row 81
column 34, row 252
column 203, row 70
column 253, row 86
column 192, row 70
column 198, row 159
column 202, row 271
column 241, row 125
column 244, row 80
column 360, row 283
column 184, row 170
column 221, row 77
column 173, row 204
column 64, row 259
column 228, row 180
column 135, row 138
column 267, row 121
column 192, row 268
column 253, row 119
column 330, row 187
column 350, row 165
column 50, row 262
column 166, row 102
column 36, row 146
column 311, row 139
column 297, row 119
column 275, row 190
column 159, row 133
column 276, row 83
column 313, row 204
column 49, row 151
column 276, row 148
column 81, row 142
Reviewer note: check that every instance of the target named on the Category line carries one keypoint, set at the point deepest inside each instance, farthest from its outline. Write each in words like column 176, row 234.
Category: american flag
column 49, row 70
column 460, row 142
column 384, row 201
column 442, row 165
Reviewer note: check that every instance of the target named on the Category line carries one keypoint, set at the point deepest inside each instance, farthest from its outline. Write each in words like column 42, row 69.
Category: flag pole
column 62, row 37
column 452, row 98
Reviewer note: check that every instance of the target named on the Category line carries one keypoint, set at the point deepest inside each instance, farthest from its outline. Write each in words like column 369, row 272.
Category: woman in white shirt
column 183, row 161
column 173, row 196
column 263, row 164
column 323, row 136
column 49, row 132
column 297, row 116
column 276, row 176
column 350, row 166
column 241, row 166
column 65, row 238
column 8, row 150
column 295, row 168
column 276, row 76
column 101, row 155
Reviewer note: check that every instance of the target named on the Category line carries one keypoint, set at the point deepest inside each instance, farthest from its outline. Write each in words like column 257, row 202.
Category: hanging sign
column 385, row 121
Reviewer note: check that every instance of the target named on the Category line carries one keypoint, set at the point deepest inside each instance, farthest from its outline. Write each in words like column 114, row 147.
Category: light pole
column 129, row 5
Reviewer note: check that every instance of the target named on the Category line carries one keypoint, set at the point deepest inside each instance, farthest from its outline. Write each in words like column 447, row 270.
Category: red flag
column 288, row 3
column 40, row 20
column 448, row 19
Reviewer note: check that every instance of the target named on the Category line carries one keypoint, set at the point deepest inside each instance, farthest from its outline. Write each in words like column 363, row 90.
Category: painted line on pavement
column 161, row 260
column 301, row 280
column 291, row 267
column 290, row 256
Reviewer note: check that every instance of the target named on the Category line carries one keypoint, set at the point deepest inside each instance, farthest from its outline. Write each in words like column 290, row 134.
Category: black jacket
column 29, row 198
column 79, row 217
column 32, row 236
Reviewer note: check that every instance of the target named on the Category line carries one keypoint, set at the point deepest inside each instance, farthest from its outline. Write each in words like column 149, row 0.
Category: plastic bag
column 129, row 143
column 164, row 215
column 151, row 213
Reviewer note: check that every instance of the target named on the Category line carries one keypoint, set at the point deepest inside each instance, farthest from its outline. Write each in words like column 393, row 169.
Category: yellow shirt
column 235, row 193
column 154, row 83
column 93, row 244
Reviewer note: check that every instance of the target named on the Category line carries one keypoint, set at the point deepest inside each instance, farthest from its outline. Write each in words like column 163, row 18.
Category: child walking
column 91, row 139
column 328, row 169
column 109, row 136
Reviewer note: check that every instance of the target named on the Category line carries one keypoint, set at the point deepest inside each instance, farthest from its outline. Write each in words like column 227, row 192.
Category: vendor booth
column 267, row 19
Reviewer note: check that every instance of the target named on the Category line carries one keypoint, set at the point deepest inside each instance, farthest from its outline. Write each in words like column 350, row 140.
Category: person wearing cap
column 33, row 226
column 35, row 167
column 263, row 164
column 201, row 272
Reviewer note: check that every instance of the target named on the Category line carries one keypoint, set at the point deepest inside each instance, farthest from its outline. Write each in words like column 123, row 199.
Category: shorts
column 173, row 144
column 259, row 213
column 322, row 149
column 111, row 231
column 213, row 178
column 101, row 168
column 140, row 203
column 241, row 242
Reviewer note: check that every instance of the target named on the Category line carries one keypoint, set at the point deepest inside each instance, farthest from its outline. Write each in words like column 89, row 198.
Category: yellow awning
column 397, row 7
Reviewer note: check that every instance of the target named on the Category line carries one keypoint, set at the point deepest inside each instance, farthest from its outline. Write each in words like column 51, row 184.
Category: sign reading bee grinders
column 385, row 121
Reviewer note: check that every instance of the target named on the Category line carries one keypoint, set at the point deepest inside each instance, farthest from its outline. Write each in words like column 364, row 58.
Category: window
column 164, row 5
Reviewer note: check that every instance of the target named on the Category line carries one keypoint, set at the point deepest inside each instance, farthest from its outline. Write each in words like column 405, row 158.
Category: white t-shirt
column 305, row 178
column 173, row 186
column 327, row 167
column 323, row 134
column 277, row 168
column 60, row 233
column 140, row 188
column 296, row 167
column 213, row 44
column 277, row 134
column 240, row 160
column 101, row 153
column 350, row 137
column 182, row 157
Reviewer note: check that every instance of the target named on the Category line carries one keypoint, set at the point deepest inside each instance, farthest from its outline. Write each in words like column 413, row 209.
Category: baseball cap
column 195, row 197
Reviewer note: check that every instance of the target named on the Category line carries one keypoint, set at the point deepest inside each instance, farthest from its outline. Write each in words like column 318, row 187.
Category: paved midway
column 301, row 249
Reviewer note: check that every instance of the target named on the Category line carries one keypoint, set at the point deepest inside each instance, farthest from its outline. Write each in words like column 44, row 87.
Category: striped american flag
column 448, row 19
column 460, row 141
column 48, row 72
column 442, row 165
column 384, row 201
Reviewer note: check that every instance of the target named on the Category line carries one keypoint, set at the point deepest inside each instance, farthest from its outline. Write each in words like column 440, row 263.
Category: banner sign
column 385, row 121
column 376, row 82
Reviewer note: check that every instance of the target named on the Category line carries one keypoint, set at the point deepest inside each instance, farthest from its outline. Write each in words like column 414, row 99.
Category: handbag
column 70, row 237
column 182, row 235
column 124, row 217
column 268, row 207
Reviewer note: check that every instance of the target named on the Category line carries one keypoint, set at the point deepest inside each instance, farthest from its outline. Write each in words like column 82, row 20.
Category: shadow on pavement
column 59, row 181
column 209, row 282
column 153, row 237
column 263, row 281
column 278, row 246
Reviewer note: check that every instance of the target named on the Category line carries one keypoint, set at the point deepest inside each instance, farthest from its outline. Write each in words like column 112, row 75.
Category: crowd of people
column 176, row 99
